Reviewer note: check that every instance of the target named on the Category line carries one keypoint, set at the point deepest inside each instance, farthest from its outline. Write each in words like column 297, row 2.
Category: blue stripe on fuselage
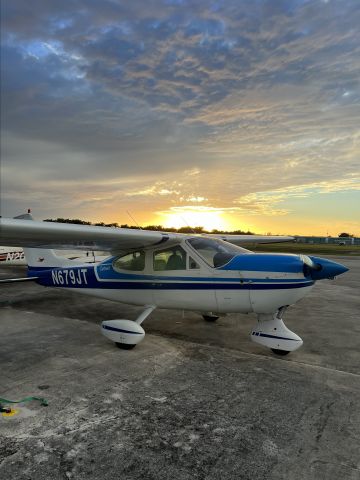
column 84, row 277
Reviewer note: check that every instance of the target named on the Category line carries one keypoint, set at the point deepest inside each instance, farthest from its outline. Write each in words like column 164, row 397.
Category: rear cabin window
column 170, row 259
column 134, row 261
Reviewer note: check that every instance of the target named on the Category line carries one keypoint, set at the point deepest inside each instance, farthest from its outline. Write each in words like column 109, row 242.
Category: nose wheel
column 281, row 353
column 125, row 346
column 271, row 332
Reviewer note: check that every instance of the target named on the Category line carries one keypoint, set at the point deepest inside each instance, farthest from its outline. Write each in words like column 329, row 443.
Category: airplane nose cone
column 328, row 269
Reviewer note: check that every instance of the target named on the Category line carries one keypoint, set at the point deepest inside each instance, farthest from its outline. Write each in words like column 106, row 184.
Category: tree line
column 188, row 229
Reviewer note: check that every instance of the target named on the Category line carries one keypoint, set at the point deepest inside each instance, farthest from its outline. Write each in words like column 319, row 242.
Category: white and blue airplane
column 212, row 276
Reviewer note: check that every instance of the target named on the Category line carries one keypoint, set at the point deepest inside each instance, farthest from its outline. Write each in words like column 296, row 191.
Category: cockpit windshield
column 215, row 252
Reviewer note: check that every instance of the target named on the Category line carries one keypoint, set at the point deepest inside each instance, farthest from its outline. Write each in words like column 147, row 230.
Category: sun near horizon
column 210, row 220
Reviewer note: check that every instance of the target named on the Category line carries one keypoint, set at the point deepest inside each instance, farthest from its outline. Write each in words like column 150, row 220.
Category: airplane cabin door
column 180, row 282
column 233, row 294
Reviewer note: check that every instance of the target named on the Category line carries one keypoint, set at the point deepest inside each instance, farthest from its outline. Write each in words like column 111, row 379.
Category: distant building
column 328, row 240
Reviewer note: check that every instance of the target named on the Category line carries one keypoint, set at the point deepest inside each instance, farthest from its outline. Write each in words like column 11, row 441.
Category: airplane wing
column 253, row 239
column 64, row 236
column 60, row 236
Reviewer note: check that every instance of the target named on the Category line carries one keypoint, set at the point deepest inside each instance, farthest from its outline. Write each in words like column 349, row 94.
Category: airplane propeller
column 320, row 268
column 309, row 262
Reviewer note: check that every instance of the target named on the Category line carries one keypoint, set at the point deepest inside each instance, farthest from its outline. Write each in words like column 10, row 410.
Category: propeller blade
column 310, row 263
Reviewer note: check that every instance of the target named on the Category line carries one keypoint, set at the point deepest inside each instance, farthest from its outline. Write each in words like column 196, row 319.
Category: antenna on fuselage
column 133, row 219
column 184, row 220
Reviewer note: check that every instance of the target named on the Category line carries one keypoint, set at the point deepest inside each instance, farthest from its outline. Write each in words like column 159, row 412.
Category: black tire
column 281, row 353
column 210, row 318
column 125, row 346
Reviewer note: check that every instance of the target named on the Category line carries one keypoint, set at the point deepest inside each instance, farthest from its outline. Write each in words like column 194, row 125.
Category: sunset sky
column 224, row 114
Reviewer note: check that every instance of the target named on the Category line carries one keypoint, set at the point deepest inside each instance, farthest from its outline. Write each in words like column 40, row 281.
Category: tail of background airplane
column 26, row 216
column 42, row 257
column 45, row 257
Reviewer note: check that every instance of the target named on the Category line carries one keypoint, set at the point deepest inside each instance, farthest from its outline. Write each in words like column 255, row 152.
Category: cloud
column 231, row 104
column 159, row 188
column 267, row 203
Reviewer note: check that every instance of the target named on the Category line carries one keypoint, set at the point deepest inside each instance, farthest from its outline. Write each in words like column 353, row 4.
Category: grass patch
column 307, row 248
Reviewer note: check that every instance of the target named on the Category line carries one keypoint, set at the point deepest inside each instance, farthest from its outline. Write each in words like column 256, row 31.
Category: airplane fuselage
column 266, row 286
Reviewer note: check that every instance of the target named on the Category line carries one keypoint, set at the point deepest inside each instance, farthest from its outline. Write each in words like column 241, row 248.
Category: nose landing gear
column 271, row 332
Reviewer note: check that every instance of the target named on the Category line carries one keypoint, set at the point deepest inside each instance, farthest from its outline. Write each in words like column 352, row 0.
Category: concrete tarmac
column 194, row 400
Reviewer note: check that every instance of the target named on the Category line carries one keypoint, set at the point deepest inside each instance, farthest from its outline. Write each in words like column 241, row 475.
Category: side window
column 192, row 264
column 134, row 261
column 170, row 259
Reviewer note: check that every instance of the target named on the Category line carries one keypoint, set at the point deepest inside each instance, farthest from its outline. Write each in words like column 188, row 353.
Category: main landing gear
column 271, row 332
column 126, row 333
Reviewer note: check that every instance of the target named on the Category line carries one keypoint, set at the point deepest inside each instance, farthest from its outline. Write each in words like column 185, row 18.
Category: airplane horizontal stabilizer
column 24, row 279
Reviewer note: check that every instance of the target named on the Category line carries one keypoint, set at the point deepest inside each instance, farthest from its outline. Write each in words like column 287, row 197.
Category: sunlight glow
column 209, row 219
